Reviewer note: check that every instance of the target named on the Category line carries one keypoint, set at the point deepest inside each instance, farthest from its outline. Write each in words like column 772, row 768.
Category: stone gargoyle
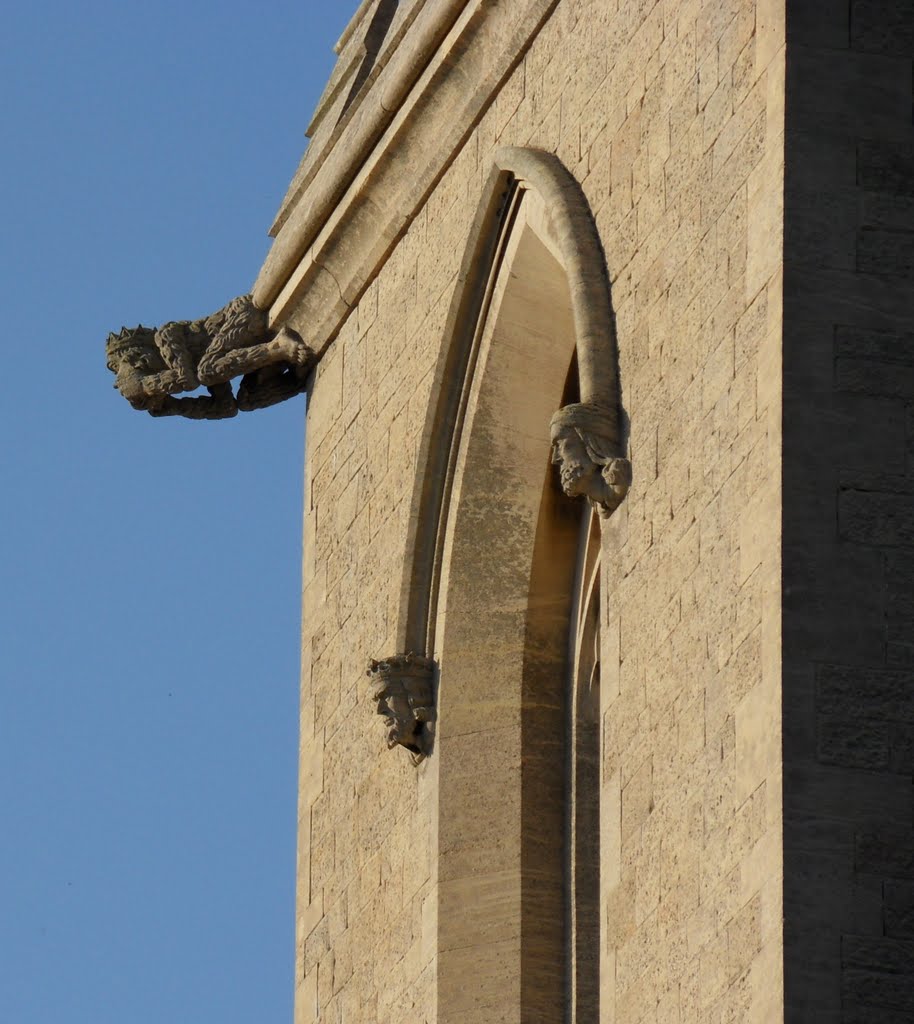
column 154, row 364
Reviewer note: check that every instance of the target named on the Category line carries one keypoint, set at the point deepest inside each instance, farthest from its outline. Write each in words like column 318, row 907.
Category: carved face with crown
column 135, row 348
column 402, row 693
column 392, row 704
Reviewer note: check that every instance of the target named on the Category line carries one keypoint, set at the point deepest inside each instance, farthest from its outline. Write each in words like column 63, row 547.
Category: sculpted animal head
column 133, row 348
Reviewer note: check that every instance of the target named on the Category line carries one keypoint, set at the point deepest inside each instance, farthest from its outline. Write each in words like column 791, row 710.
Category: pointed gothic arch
column 499, row 594
column 535, row 186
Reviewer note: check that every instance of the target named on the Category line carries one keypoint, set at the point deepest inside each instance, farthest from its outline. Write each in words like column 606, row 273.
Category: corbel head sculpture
column 403, row 690
column 585, row 447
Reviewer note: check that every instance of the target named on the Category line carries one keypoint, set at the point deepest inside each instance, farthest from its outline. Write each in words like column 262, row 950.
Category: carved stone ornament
column 403, row 689
column 153, row 364
column 584, row 447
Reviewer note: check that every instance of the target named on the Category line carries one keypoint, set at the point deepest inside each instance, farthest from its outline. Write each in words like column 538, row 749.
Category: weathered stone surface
column 887, row 852
column 854, row 692
column 878, row 973
column 885, row 252
column 899, row 909
column 749, row 172
column 848, row 507
column 671, row 118
column 883, row 26
column 886, row 166
column 871, row 517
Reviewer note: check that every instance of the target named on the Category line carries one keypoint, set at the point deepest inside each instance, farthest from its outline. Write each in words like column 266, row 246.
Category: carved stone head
column 403, row 690
column 133, row 347
column 585, row 448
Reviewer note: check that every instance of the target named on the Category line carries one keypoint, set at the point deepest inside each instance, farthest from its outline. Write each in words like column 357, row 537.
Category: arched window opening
column 583, row 858
column 502, row 594
column 502, row 618
column 583, row 731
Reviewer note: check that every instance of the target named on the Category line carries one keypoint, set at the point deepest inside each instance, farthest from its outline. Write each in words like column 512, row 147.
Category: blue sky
column 149, row 614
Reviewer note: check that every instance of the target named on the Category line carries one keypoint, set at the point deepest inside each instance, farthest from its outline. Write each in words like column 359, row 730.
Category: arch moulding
column 531, row 188
column 587, row 437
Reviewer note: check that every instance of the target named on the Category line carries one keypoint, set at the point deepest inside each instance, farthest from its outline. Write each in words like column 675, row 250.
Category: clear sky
column 149, row 613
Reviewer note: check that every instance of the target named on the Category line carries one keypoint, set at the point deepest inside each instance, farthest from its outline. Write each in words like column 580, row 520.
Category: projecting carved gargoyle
column 155, row 364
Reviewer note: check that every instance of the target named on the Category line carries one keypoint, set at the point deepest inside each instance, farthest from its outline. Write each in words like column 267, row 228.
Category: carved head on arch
column 585, row 448
column 402, row 689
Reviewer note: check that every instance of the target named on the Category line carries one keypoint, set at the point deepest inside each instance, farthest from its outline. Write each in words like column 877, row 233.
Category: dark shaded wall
column 849, row 512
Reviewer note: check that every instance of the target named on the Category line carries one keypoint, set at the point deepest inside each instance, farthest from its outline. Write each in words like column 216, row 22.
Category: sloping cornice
column 364, row 50
column 407, row 129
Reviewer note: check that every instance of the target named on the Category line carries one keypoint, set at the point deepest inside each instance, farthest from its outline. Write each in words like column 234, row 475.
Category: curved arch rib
column 589, row 430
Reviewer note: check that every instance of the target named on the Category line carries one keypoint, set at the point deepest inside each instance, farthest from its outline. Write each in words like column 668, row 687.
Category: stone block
column 899, row 655
column 744, row 938
column 867, row 517
column 874, row 378
column 822, row 23
column 899, row 581
column 845, row 693
column 902, row 746
column 899, row 909
column 834, row 604
column 854, row 743
column 885, row 252
column 878, row 972
column 850, row 94
column 886, row 210
column 885, row 166
column 873, row 1015
column 886, row 851
column 860, row 343
column 878, row 989
column 821, row 228
column 307, row 1010
column 770, row 32
column 847, row 795
column 883, row 26
column 819, row 162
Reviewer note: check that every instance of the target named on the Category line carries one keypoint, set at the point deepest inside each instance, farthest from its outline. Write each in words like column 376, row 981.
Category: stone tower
column 609, row 514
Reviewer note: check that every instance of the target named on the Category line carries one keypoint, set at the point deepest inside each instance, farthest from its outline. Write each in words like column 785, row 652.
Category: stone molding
column 351, row 111
column 586, row 436
column 367, row 191
column 403, row 690
column 581, row 253
column 575, row 242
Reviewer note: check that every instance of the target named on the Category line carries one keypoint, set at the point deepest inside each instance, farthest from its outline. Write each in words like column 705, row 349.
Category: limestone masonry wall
column 671, row 115
column 849, row 513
